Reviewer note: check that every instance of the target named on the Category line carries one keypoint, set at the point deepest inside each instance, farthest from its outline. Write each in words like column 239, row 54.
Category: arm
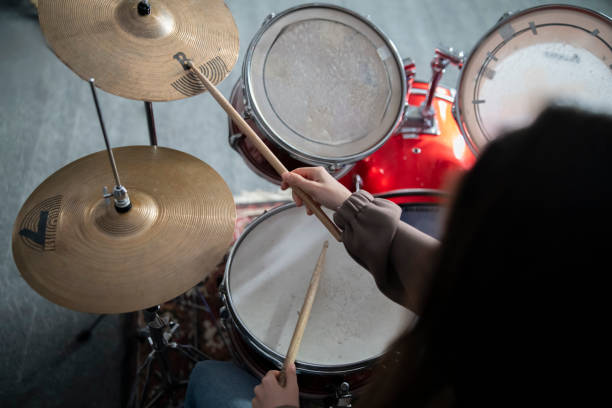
column 397, row 254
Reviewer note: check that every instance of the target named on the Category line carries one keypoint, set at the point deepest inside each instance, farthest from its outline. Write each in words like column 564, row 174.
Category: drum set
column 130, row 228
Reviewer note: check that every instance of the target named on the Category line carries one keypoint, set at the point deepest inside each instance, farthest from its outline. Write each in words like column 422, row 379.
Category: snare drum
column 321, row 83
column 415, row 160
column 351, row 322
column 548, row 54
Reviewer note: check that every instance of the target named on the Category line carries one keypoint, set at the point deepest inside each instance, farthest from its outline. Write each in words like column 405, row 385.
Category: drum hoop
column 456, row 109
column 307, row 158
column 269, row 353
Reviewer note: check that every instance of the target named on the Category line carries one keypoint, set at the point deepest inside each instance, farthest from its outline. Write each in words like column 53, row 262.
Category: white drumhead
column 351, row 320
column 324, row 83
column 541, row 56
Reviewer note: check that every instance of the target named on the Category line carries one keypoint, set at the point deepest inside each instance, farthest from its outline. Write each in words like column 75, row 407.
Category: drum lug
column 333, row 167
column 267, row 19
column 505, row 16
column 248, row 112
column 223, row 317
column 234, row 138
column 344, row 396
column 358, row 182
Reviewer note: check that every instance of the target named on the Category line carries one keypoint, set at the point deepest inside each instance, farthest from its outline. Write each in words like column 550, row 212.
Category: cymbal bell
column 138, row 56
column 73, row 247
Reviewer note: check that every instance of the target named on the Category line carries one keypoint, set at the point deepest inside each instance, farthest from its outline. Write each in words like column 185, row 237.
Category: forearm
column 397, row 254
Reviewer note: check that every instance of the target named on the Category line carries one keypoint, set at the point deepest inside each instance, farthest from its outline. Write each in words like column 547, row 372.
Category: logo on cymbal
column 189, row 84
column 39, row 227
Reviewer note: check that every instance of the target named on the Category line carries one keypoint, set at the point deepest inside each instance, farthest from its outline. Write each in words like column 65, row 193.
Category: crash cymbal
column 137, row 56
column 75, row 249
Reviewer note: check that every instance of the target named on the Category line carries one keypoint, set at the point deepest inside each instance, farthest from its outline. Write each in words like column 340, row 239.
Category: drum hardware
column 151, row 123
column 421, row 119
column 344, row 396
column 159, row 338
column 260, row 146
column 220, row 328
column 357, row 181
column 267, row 20
column 144, row 8
column 234, row 138
column 410, row 72
column 505, row 16
column 120, row 195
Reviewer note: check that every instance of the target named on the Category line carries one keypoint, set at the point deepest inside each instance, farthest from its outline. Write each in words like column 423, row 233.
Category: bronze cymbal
column 76, row 250
column 133, row 55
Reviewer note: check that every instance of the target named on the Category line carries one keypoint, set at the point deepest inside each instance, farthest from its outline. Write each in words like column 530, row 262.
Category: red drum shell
column 422, row 161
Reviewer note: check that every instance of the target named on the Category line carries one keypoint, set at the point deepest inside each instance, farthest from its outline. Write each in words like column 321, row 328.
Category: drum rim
column 270, row 354
column 456, row 109
column 247, row 86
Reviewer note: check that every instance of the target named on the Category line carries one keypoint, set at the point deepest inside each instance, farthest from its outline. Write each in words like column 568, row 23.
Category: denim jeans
column 219, row 384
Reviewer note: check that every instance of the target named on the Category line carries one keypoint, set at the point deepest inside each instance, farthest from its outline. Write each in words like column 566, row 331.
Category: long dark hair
column 516, row 314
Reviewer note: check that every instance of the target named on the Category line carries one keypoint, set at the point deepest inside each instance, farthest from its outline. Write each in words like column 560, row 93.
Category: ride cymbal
column 75, row 249
column 138, row 56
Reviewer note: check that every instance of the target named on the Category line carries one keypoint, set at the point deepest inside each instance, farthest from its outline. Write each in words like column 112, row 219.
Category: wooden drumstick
column 303, row 319
column 265, row 151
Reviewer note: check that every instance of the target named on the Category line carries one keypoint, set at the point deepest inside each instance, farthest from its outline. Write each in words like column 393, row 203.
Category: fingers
column 296, row 180
column 311, row 173
column 297, row 199
column 269, row 393
column 290, row 373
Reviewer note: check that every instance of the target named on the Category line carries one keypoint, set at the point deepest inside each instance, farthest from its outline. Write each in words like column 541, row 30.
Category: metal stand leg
column 86, row 334
column 158, row 339
column 151, row 123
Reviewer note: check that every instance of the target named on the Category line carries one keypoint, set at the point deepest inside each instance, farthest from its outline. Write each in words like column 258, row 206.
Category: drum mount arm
column 422, row 119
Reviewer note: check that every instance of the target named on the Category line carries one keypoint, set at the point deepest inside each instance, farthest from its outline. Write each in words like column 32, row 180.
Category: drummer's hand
column 318, row 184
column 269, row 394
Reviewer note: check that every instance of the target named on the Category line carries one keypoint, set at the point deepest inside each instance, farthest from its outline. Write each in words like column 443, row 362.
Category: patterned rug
column 195, row 316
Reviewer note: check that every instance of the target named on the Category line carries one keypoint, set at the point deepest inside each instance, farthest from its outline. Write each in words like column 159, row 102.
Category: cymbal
column 76, row 250
column 136, row 56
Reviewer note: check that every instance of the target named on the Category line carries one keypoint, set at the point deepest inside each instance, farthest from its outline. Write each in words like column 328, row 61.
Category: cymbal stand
column 144, row 9
column 120, row 194
column 151, row 123
column 158, row 337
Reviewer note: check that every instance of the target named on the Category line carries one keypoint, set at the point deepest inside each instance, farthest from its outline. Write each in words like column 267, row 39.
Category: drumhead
column 549, row 54
column 324, row 83
column 266, row 279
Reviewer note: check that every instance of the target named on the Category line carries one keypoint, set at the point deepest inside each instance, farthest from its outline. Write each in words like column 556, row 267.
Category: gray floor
column 47, row 119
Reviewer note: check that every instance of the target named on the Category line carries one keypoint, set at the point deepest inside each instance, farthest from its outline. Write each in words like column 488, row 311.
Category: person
column 511, row 302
